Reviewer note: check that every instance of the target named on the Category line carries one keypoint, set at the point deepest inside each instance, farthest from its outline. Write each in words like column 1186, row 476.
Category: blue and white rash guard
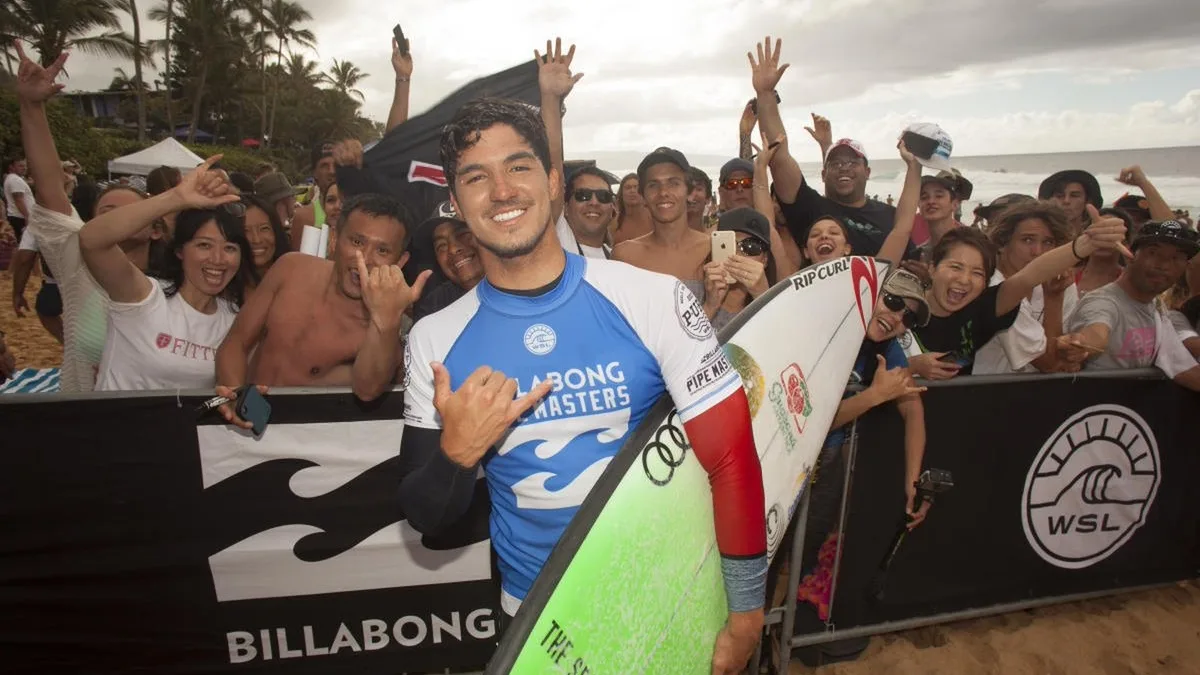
column 612, row 338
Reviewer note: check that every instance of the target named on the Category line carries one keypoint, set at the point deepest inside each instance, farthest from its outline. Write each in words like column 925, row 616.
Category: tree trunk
column 198, row 97
column 138, row 57
column 170, row 18
column 275, row 96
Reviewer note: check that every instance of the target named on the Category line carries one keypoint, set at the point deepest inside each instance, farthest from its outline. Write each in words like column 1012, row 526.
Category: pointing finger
column 522, row 405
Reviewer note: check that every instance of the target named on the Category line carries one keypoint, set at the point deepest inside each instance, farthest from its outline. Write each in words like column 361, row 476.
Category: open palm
column 34, row 82
column 554, row 69
column 765, row 72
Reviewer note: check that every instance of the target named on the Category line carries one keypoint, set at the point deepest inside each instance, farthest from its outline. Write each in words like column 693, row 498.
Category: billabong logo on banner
column 1091, row 486
column 322, row 527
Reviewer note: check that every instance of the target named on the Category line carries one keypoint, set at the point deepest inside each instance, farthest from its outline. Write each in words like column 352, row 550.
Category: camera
column 932, row 482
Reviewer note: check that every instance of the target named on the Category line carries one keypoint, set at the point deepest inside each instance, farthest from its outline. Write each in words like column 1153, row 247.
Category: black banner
column 136, row 541
column 1061, row 486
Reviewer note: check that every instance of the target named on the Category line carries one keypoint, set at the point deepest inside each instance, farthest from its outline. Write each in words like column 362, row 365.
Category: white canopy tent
column 168, row 152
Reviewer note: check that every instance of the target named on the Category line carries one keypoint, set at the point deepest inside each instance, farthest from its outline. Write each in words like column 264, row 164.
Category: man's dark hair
column 967, row 236
column 12, row 160
column 474, row 118
column 375, row 204
column 162, row 179
column 587, row 171
column 698, row 176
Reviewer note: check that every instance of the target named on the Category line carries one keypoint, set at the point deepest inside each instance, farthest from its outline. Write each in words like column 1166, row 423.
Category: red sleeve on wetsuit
column 723, row 442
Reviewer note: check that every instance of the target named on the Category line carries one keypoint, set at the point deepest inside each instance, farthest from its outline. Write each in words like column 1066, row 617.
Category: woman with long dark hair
column 164, row 333
column 264, row 231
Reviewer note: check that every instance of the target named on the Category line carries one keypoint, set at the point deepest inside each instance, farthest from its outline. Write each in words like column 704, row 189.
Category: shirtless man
column 323, row 322
column 671, row 247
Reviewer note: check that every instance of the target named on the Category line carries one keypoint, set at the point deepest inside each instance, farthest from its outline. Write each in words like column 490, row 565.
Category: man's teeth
column 463, row 262
column 887, row 327
column 508, row 215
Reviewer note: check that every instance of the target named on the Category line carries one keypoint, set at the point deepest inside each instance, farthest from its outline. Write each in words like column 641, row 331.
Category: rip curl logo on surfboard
column 1091, row 486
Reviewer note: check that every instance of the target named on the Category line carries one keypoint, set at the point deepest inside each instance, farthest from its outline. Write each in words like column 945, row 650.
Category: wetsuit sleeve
column 434, row 491
column 712, row 405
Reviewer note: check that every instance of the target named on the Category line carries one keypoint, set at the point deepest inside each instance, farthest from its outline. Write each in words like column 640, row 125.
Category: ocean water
column 1174, row 171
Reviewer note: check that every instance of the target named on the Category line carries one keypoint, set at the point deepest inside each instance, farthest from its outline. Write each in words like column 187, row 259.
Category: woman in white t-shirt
column 164, row 333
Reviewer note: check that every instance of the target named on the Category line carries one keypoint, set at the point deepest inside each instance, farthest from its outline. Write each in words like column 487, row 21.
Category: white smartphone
column 724, row 245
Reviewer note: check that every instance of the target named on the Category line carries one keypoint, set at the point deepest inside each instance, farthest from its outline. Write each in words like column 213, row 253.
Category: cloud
column 662, row 73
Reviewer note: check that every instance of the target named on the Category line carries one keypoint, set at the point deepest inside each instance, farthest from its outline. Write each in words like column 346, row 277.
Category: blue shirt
column 864, row 373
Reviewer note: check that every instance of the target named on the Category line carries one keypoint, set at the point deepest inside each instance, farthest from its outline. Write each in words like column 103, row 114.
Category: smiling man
column 548, row 348
column 328, row 322
column 590, row 207
column 447, row 240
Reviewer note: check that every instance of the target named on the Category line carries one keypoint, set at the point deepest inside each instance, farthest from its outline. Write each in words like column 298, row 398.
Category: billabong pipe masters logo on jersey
column 540, row 339
column 1091, row 486
column 691, row 314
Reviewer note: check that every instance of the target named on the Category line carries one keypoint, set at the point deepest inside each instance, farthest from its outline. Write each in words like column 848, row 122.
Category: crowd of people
column 199, row 282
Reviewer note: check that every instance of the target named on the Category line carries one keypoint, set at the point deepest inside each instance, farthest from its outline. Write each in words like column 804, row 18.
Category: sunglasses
column 235, row 209
column 896, row 303
column 583, row 195
column 752, row 246
column 735, row 183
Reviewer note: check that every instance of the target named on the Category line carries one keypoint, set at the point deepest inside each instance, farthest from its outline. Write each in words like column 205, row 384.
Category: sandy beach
column 1146, row 632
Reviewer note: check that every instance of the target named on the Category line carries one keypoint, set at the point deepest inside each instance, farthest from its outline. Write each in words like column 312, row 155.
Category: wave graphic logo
column 565, row 468
column 312, row 508
column 1091, row 486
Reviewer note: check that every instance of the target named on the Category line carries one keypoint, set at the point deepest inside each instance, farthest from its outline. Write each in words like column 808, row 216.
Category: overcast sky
column 1001, row 76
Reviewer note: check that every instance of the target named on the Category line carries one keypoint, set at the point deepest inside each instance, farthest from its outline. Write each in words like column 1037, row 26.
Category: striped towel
column 32, row 381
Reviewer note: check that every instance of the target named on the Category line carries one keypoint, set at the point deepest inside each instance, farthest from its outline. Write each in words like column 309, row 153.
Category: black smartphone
column 935, row 480
column 252, row 407
column 955, row 358
column 918, row 145
column 400, row 41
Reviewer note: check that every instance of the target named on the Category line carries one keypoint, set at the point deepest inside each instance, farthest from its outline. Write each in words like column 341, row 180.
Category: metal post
column 849, row 461
column 795, row 569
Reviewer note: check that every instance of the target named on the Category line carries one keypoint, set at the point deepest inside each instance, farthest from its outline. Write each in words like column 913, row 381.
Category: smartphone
column 918, row 145
column 724, row 245
column 252, row 407
column 955, row 358
column 399, row 35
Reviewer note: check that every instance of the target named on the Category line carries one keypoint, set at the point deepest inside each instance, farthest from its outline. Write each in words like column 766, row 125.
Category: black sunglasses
column 752, row 246
column 236, row 209
column 582, row 195
column 896, row 303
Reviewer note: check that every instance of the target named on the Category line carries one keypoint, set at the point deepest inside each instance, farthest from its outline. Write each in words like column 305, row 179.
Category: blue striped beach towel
column 32, row 381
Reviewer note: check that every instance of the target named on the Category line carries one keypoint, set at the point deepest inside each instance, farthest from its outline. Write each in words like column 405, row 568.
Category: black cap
column 662, row 155
column 953, row 181
column 1059, row 180
column 1134, row 204
column 421, row 247
column 736, row 164
column 1001, row 203
column 319, row 151
column 747, row 220
column 1168, row 232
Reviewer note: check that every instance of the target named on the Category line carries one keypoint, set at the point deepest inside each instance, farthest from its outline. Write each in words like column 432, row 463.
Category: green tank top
column 318, row 211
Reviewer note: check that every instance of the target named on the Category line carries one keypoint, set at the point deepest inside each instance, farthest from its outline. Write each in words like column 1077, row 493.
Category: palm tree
column 52, row 26
column 141, row 56
column 123, row 82
column 283, row 18
column 344, row 76
column 8, row 34
column 166, row 14
column 207, row 36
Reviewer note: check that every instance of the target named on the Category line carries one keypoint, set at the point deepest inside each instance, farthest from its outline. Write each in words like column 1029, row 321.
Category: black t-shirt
column 867, row 226
column 436, row 299
column 968, row 329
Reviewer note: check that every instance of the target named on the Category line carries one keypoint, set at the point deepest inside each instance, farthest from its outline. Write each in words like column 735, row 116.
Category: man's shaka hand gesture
column 35, row 83
column 386, row 294
column 477, row 416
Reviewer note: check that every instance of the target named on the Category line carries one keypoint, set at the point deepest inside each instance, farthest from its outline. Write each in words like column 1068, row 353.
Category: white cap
column 940, row 159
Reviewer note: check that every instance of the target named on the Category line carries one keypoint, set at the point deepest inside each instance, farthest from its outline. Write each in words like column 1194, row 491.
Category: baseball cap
column 848, row 143
column 1058, row 180
column 904, row 284
column 735, row 164
column 989, row 211
column 662, row 155
column 1168, row 232
column 953, row 181
column 319, row 151
column 273, row 187
column 747, row 220
column 939, row 145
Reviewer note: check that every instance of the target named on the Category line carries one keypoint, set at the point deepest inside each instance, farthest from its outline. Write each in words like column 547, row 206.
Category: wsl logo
column 1091, row 486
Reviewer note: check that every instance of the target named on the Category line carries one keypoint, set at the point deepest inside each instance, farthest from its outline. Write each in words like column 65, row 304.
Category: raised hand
column 890, row 385
column 910, row 160
column 1106, row 233
column 766, row 71
column 821, row 130
column 35, row 84
column 749, row 119
column 402, row 63
column 483, row 409
column 386, row 294
column 348, row 152
column 1132, row 175
column 554, row 70
column 762, row 158
column 205, row 187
